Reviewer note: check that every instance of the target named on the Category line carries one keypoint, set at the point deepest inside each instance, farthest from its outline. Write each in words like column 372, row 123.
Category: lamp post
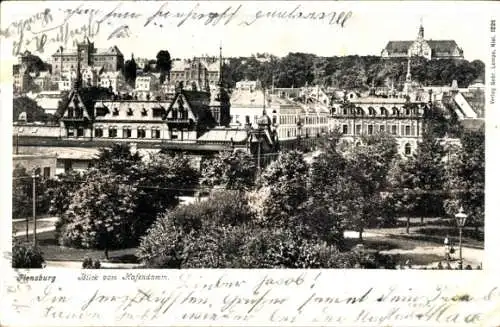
column 34, row 176
column 460, row 217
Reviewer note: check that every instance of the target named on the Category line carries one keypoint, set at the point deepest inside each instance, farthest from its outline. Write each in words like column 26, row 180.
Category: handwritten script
column 65, row 27
column 273, row 297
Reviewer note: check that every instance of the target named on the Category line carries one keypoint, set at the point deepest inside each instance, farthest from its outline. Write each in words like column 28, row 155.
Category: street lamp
column 460, row 217
column 34, row 176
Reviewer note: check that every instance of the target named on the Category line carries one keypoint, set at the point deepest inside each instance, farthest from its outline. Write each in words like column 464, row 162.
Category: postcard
column 249, row 163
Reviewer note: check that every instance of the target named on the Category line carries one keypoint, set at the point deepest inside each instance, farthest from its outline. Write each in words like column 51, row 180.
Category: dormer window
column 157, row 112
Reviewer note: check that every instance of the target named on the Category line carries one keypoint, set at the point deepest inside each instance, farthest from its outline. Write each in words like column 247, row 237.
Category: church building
column 429, row 49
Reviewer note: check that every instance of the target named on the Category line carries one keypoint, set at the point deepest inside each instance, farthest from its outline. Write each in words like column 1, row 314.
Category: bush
column 198, row 234
column 88, row 263
column 266, row 248
column 27, row 256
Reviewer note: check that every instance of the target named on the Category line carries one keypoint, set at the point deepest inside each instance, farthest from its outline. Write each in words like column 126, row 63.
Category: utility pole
column 17, row 141
column 34, row 206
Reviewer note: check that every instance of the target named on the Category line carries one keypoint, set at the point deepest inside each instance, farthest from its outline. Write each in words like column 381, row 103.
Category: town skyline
column 265, row 35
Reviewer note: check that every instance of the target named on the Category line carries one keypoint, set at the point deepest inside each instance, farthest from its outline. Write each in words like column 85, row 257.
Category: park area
column 422, row 248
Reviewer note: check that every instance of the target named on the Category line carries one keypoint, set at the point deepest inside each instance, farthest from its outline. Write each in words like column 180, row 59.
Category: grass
column 52, row 251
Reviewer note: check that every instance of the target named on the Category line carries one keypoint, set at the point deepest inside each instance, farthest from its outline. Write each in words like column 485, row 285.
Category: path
column 471, row 256
column 22, row 231
column 78, row 265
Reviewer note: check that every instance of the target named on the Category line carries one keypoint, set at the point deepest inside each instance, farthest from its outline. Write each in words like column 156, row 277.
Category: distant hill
column 350, row 72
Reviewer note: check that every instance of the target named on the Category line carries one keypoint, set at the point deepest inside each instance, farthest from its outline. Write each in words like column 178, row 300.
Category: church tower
column 221, row 108
column 421, row 31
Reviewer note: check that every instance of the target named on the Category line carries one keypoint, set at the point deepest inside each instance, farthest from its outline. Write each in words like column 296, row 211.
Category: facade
column 289, row 119
column 203, row 71
column 112, row 80
column 429, row 49
column 147, row 82
column 400, row 116
column 64, row 60
column 22, row 79
column 65, row 80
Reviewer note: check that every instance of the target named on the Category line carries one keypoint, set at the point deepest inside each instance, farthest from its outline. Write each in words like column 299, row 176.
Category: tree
column 334, row 198
column 33, row 111
column 465, row 178
column 163, row 64
column 368, row 166
column 102, row 213
column 118, row 158
column 130, row 71
column 21, row 193
column 231, row 170
column 286, row 179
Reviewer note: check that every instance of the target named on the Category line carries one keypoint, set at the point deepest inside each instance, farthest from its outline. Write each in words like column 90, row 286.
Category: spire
column 421, row 30
column 78, row 79
column 220, row 65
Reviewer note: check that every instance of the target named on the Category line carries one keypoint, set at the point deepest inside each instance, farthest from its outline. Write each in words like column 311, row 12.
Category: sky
column 363, row 28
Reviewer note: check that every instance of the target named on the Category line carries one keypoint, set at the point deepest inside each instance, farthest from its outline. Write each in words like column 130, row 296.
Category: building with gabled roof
column 429, row 49
column 63, row 60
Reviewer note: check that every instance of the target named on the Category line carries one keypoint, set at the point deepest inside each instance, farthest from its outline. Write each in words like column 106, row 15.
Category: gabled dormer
column 180, row 110
column 76, row 109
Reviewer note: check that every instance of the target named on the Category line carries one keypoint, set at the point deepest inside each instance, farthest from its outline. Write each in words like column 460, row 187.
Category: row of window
column 127, row 132
column 406, row 130
column 157, row 112
column 316, row 120
column 372, row 112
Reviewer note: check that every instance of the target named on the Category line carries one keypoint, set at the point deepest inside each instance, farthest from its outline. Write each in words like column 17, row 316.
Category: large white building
column 420, row 47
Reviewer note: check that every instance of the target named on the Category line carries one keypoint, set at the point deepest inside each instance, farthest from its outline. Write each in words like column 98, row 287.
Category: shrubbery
column 27, row 256
column 222, row 232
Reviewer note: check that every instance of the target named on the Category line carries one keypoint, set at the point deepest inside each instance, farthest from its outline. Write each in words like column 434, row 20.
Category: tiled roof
column 67, row 152
column 398, row 46
column 48, row 102
column 443, row 46
column 179, row 65
column 224, row 135
column 439, row 47
column 109, row 51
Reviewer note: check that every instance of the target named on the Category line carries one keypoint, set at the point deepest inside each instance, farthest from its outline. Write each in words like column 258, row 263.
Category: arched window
column 395, row 111
column 407, row 111
column 359, row 111
column 383, row 111
column 371, row 111
column 358, row 143
column 407, row 149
